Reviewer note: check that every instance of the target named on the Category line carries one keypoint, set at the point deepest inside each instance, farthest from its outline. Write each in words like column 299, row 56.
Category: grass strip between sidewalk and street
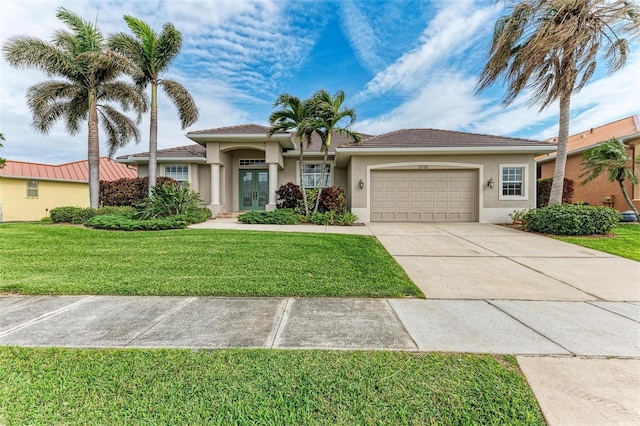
column 133, row 386
column 624, row 241
column 62, row 259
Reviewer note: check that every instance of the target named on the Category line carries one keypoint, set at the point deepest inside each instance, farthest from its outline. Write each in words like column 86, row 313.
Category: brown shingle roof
column 337, row 139
column 242, row 129
column 187, row 151
column 75, row 171
column 427, row 138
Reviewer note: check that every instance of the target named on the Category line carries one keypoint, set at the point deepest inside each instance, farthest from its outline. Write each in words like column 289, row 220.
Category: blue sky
column 401, row 63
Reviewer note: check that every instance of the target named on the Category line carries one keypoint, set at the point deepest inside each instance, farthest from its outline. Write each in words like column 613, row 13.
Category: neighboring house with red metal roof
column 28, row 191
column 599, row 191
column 408, row 175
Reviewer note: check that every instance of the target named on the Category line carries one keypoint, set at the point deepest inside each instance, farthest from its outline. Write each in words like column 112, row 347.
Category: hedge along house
column 413, row 175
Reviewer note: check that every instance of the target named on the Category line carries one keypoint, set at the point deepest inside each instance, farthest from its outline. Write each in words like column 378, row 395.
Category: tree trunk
column 323, row 172
column 627, row 198
column 93, row 152
column 561, row 155
column 153, row 137
column 302, row 186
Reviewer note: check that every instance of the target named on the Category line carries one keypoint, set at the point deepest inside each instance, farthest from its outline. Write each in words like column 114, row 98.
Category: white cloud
column 456, row 27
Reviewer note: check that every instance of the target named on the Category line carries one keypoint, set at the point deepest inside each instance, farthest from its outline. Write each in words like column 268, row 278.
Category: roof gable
column 616, row 129
column 242, row 129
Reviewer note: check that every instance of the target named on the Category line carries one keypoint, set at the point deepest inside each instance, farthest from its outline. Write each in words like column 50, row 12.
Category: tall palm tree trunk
column 93, row 155
column 302, row 185
column 153, row 137
column 626, row 195
column 561, row 155
column 323, row 173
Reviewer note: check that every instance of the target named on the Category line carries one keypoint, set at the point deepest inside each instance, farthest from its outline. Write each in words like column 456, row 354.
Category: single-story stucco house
column 600, row 191
column 413, row 175
column 28, row 191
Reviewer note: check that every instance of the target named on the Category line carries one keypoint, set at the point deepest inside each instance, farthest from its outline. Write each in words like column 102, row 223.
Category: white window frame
column 313, row 163
column 525, row 182
column 182, row 182
column 33, row 189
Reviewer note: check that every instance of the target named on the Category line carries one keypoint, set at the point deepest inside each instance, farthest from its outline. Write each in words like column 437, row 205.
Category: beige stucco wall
column 17, row 207
column 491, row 207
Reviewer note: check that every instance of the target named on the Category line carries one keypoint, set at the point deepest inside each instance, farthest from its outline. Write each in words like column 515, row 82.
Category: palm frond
column 119, row 129
column 184, row 103
column 130, row 97
column 167, row 47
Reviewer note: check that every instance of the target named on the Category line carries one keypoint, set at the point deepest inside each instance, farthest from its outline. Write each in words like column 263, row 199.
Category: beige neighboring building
column 410, row 175
column 28, row 191
column 600, row 191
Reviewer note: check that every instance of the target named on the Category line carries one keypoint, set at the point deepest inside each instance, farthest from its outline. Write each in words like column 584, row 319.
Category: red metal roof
column 75, row 171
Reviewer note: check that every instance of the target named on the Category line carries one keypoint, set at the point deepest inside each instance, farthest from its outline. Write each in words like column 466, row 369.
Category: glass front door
column 254, row 189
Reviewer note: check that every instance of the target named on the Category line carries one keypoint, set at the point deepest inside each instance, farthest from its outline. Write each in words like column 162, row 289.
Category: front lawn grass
column 117, row 387
column 62, row 259
column 624, row 241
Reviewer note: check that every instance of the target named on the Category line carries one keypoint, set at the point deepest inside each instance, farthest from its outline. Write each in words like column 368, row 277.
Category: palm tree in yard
column 87, row 88
column 293, row 115
column 153, row 53
column 327, row 114
column 551, row 47
column 611, row 157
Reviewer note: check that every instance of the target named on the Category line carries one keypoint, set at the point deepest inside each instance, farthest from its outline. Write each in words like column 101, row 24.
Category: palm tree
column 552, row 47
column 88, row 88
column 153, row 54
column 2, row 160
column 327, row 113
column 293, row 115
column 611, row 157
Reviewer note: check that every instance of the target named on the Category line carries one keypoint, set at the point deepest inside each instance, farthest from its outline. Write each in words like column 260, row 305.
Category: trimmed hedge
column 128, row 191
column 333, row 218
column 544, row 191
column 78, row 215
column 127, row 223
column 275, row 217
column 572, row 219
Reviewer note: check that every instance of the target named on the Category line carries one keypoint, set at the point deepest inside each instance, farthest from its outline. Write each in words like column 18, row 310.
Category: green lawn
column 117, row 387
column 55, row 259
column 624, row 241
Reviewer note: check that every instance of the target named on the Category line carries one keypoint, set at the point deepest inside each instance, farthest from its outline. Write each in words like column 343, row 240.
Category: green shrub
column 288, row 196
column 333, row 218
column 168, row 200
column 571, row 219
column 332, row 199
column 123, row 210
column 543, row 191
column 126, row 223
column 71, row 214
column 275, row 217
column 128, row 191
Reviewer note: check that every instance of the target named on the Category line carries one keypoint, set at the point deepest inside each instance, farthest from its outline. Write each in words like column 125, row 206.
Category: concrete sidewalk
column 600, row 329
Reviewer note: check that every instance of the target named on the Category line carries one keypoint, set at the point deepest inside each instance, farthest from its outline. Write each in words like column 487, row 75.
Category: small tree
column 611, row 157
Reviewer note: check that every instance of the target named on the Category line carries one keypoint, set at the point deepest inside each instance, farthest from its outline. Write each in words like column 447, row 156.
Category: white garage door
column 424, row 195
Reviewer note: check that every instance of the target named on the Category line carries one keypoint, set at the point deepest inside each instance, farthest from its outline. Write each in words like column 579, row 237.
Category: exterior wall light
column 361, row 183
column 491, row 183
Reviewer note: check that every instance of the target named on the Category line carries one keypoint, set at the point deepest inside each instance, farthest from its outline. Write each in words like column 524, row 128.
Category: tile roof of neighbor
column 427, row 138
column 619, row 128
column 186, row 151
column 75, row 171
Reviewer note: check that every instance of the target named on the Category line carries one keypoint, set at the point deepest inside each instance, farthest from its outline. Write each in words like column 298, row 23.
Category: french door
column 254, row 189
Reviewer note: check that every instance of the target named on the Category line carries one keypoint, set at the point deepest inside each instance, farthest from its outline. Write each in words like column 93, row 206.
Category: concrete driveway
column 482, row 261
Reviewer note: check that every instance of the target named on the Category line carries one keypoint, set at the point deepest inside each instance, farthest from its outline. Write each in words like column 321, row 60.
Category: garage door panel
column 424, row 195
